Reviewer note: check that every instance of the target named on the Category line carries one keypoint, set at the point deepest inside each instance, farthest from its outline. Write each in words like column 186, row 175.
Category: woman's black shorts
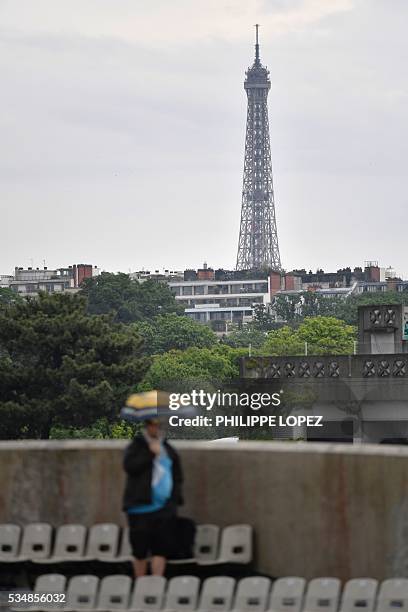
column 150, row 533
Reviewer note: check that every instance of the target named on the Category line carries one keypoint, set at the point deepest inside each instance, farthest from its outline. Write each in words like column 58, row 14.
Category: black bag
column 182, row 538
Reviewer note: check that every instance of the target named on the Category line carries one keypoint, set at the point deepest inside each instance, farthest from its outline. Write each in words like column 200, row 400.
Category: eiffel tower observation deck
column 258, row 247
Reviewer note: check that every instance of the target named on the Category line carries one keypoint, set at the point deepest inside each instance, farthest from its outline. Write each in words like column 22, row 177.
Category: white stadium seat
column 393, row 595
column 82, row 593
column 114, row 593
column 287, row 594
column 217, row 594
column 46, row 586
column 206, row 542
column 148, row 594
column 359, row 595
column 103, row 540
column 322, row 595
column 10, row 536
column 252, row 594
column 36, row 542
column 182, row 594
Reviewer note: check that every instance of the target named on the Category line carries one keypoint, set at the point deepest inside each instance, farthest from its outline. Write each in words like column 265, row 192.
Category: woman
column 153, row 491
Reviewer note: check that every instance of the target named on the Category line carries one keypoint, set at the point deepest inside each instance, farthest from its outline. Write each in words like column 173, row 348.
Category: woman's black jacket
column 138, row 465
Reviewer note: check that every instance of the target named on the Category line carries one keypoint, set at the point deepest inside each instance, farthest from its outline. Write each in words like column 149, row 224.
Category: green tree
column 171, row 331
column 323, row 335
column 194, row 368
column 287, row 307
column 155, row 298
column 128, row 300
column 263, row 320
column 295, row 308
column 347, row 310
column 245, row 336
column 327, row 336
column 315, row 304
column 8, row 296
column 284, row 341
column 62, row 367
column 102, row 429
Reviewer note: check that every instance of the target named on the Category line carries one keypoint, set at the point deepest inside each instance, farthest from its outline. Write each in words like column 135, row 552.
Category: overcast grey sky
column 123, row 121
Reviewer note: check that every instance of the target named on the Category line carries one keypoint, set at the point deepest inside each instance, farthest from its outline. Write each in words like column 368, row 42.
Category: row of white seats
column 224, row 594
column 107, row 542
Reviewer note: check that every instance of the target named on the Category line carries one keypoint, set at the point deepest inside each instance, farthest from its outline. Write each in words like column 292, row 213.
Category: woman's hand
column 155, row 447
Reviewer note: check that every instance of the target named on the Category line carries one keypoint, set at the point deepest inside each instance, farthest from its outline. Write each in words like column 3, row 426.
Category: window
column 219, row 316
column 232, row 302
column 245, row 302
column 261, row 287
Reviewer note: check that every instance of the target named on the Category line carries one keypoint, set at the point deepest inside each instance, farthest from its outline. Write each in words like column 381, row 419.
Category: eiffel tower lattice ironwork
column 258, row 246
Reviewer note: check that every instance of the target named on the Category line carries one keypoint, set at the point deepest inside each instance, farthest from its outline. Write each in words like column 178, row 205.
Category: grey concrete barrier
column 317, row 509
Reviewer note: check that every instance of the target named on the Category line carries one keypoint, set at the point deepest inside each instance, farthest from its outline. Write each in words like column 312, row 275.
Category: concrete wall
column 364, row 388
column 317, row 509
column 380, row 329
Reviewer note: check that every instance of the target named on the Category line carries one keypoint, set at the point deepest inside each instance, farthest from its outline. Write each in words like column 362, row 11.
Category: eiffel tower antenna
column 257, row 60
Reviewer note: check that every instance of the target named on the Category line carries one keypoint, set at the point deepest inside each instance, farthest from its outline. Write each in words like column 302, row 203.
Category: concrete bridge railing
column 326, row 367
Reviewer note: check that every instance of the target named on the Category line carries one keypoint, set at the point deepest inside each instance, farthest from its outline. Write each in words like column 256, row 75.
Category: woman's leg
column 139, row 567
column 158, row 565
column 162, row 534
column 139, row 540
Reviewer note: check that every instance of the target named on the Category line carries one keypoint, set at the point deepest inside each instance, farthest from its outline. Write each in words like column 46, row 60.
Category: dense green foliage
column 321, row 335
column 8, row 296
column 248, row 336
column 61, row 366
column 295, row 308
column 177, row 371
column 126, row 299
column 347, row 311
column 263, row 320
column 171, row 331
column 101, row 429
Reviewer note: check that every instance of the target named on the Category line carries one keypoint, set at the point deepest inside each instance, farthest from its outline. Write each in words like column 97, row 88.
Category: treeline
column 68, row 362
column 295, row 308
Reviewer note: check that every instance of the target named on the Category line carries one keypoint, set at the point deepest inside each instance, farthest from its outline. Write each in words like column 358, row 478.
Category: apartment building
column 219, row 302
column 31, row 281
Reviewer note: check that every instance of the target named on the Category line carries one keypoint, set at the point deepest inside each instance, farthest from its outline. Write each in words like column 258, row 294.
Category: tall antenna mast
column 257, row 60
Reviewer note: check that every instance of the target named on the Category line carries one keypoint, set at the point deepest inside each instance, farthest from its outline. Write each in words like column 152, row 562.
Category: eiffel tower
column 258, row 247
